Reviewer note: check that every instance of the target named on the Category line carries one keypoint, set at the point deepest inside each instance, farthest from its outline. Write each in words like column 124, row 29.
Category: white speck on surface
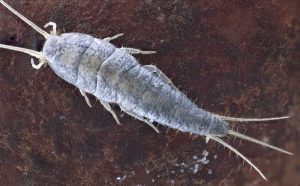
column 147, row 172
column 209, row 171
column 152, row 180
column 202, row 160
column 196, row 168
column 172, row 181
column 215, row 156
column 205, row 153
column 132, row 173
column 194, row 165
column 205, row 162
column 120, row 179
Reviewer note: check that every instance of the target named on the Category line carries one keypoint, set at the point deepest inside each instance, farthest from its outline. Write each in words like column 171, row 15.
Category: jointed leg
column 160, row 74
column 113, row 37
column 38, row 66
column 33, row 53
column 108, row 108
column 141, row 119
column 86, row 98
column 137, row 51
column 207, row 138
column 54, row 26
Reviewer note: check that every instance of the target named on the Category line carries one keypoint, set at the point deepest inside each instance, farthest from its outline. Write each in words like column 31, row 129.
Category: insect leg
column 54, row 26
column 108, row 108
column 113, row 37
column 38, row 66
column 140, row 118
column 137, row 51
column 160, row 74
column 219, row 140
column 34, row 53
column 85, row 97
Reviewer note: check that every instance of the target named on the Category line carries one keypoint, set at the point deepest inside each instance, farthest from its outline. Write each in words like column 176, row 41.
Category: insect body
column 113, row 75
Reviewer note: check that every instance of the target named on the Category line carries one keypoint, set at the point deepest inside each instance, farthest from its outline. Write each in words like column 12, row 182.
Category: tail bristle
column 219, row 140
column 252, row 119
column 248, row 138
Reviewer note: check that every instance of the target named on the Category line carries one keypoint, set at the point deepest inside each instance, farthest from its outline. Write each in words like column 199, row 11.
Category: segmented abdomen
column 114, row 76
column 139, row 91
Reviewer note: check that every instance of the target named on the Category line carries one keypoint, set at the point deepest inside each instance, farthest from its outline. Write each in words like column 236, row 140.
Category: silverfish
column 114, row 76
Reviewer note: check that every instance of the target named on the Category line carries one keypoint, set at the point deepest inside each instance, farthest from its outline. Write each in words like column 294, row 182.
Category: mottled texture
column 237, row 57
column 141, row 92
column 114, row 76
column 90, row 64
column 64, row 55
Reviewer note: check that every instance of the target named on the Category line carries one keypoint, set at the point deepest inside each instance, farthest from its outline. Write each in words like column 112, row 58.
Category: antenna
column 34, row 26
column 34, row 53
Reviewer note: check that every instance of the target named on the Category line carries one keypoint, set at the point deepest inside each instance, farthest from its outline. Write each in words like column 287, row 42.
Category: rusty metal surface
column 239, row 58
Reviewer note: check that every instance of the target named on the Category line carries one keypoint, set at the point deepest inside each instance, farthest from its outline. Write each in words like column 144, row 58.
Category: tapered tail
column 248, row 138
column 217, row 139
column 252, row 119
column 242, row 136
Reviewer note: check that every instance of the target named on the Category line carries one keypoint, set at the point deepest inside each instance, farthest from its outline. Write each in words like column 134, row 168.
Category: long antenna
column 24, row 50
column 34, row 26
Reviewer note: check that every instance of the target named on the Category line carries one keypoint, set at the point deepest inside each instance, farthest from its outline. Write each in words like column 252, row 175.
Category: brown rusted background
column 239, row 58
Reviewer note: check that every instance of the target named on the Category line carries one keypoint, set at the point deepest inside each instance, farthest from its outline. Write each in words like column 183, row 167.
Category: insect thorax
column 77, row 57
